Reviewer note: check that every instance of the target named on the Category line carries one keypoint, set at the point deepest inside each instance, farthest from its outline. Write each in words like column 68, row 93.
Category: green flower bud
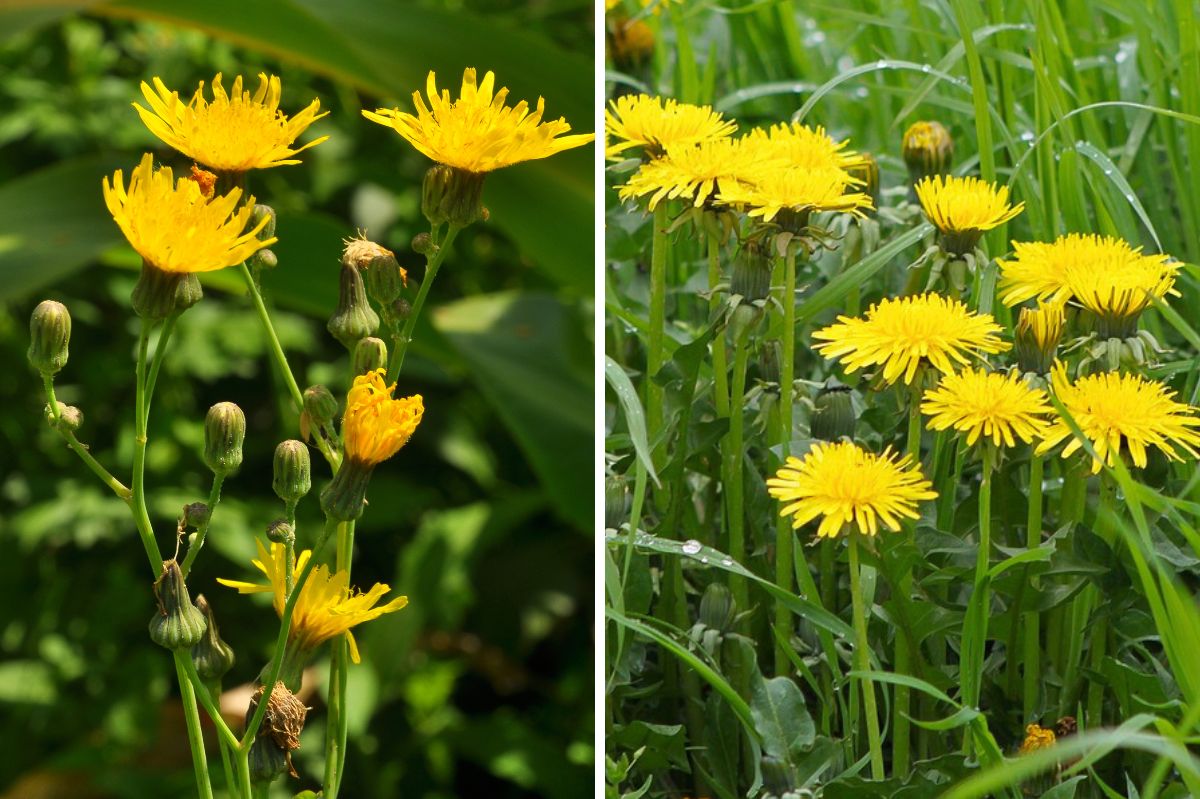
column 49, row 335
column 370, row 353
column 717, row 608
column 422, row 244
column 267, row 761
column 280, row 532
column 69, row 418
column 779, row 776
column 158, row 294
column 453, row 195
column 261, row 211
column 868, row 172
column 384, row 276
column 224, row 432
column 833, row 416
column 751, row 273
column 346, row 496
column 320, row 405
column 264, row 259
column 927, row 150
column 292, row 473
column 616, row 502
column 177, row 624
column 212, row 656
column 354, row 317
column 196, row 515
column 770, row 360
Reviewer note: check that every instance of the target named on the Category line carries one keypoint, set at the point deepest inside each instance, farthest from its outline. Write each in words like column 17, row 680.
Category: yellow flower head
column 1037, row 335
column 927, row 149
column 175, row 227
column 963, row 208
column 903, row 333
column 694, row 172
column 1111, row 408
column 993, row 405
column 234, row 132
column 803, row 147
column 327, row 607
column 375, row 426
column 797, row 190
column 656, row 124
column 845, row 484
column 1096, row 270
column 1037, row 737
column 477, row 132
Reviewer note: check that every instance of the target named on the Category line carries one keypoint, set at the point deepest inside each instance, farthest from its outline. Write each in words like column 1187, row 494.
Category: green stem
column 335, row 737
column 184, row 661
column 861, row 654
column 1031, row 676
column 733, row 479
column 141, row 514
column 160, row 350
column 659, row 246
column 214, row 499
column 105, row 476
column 972, row 666
column 195, row 734
column 785, row 537
column 1099, row 633
column 433, row 262
column 902, row 660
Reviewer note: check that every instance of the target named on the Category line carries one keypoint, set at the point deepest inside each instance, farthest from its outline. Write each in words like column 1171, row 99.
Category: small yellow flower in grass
column 962, row 209
column 694, row 173
column 478, row 133
column 327, row 606
column 1116, row 410
column 799, row 191
column 927, row 149
column 656, row 123
column 902, row 334
column 844, row 484
column 233, row 132
column 993, row 405
column 1037, row 737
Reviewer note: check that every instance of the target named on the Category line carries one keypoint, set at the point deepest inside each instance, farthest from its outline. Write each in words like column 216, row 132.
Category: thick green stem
column 655, row 345
column 1032, row 660
column 105, row 476
column 335, row 737
column 902, row 660
column 784, row 535
column 862, row 656
column 195, row 735
column 720, row 364
column 976, row 634
column 734, row 459
column 207, row 700
column 433, row 262
column 1099, row 633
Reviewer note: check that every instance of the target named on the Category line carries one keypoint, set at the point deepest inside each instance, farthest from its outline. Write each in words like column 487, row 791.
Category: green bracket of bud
column 354, row 317
column 453, row 195
column 224, row 432
column 211, row 655
column 158, row 294
column 178, row 624
column 49, row 337
column 346, row 496
column 292, row 471
column 370, row 353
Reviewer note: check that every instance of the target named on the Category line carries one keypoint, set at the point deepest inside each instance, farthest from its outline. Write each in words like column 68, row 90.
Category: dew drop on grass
column 691, row 546
column 727, row 562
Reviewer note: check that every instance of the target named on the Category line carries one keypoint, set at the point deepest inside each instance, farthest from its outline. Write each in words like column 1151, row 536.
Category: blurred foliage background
column 483, row 685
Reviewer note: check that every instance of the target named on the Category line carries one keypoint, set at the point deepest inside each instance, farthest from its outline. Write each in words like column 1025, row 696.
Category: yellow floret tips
column 848, row 487
column 654, row 124
column 235, row 131
column 375, row 425
column 963, row 209
column 997, row 407
column 478, row 133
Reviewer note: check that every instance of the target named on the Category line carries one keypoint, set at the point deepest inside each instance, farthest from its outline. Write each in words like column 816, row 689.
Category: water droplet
column 727, row 562
column 691, row 546
column 704, row 560
column 926, row 68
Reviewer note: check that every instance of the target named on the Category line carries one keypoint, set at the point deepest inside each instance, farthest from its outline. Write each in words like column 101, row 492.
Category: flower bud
column 280, row 532
column 1035, row 340
column 212, row 656
column 751, row 273
column 292, row 471
column 69, row 418
column 158, row 294
column 453, row 195
column 267, row 761
column 354, row 317
column 264, row 259
column 224, row 432
column 196, row 515
column 867, row 170
column 770, row 360
column 320, row 405
column 262, row 211
column 384, row 276
column 49, row 335
column 422, row 244
column 717, row 607
column 927, row 150
column 370, row 353
column 346, row 496
column 833, row 416
column 616, row 502
column 177, row 624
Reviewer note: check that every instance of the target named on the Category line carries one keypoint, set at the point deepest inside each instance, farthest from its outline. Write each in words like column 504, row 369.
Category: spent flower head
column 993, row 405
column 656, row 123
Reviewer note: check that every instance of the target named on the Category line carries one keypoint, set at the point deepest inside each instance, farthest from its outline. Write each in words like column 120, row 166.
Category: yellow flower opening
column 477, row 132
column 326, row 608
column 175, row 227
column 694, row 173
column 375, row 426
column 992, row 405
column 1103, row 273
column 1112, row 409
column 903, row 333
column 233, row 132
column 965, row 205
column 656, row 124
column 797, row 190
column 1037, row 334
column 844, row 484
column 1037, row 737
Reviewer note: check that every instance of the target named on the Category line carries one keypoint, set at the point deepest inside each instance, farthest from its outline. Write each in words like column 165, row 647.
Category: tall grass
column 1090, row 112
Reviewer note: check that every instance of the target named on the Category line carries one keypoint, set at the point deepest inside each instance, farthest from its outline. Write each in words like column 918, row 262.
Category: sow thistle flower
column 902, row 334
column 846, row 485
column 374, row 428
column 963, row 209
column 655, row 124
column 233, row 132
column 326, row 607
column 696, row 173
column 178, row 230
column 1116, row 410
column 992, row 405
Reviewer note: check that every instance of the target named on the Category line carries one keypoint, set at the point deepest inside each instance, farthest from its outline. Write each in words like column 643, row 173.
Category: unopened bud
column 68, row 420
column 49, row 337
column 264, row 259
column 1038, row 332
column 292, row 471
column 927, row 150
column 177, row 624
column 616, row 501
column 384, row 277
column 224, row 432
column 196, row 515
column 867, row 170
column 280, row 532
column 453, row 195
column 370, row 354
column 751, row 273
column 158, row 294
column 320, row 405
column 212, row 656
column 354, row 317
column 422, row 244
column 262, row 211
column 717, row 607
column 833, row 416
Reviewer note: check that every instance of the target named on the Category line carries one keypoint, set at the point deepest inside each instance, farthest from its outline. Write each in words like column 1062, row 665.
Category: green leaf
column 781, row 717
column 635, row 418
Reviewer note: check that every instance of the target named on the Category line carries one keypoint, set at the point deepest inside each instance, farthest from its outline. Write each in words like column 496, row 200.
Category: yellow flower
column 845, row 484
column 656, row 124
column 1037, row 335
column 375, row 426
column 903, row 333
column 175, row 227
column 927, row 149
column 963, row 208
column 233, row 133
column 477, row 133
column 994, row 405
column 1093, row 269
column 1110, row 408
column 1037, row 737
column 803, row 147
column 327, row 607
column 694, row 172
column 797, row 190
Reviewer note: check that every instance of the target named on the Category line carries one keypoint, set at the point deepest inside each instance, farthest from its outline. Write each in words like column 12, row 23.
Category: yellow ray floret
column 695, row 173
column 994, row 405
column 175, row 227
column 959, row 205
column 375, row 426
column 477, row 132
column 327, row 607
column 656, row 123
column 1037, row 737
column 844, row 484
column 233, row 132
column 800, row 190
column 901, row 334
column 803, row 147
column 1112, row 409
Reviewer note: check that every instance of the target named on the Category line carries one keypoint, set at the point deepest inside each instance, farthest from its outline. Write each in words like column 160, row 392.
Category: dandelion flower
column 1116, row 411
column 326, row 607
column 799, row 191
column 694, row 173
column 902, row 334
column 1038, row 332
column 962, row 209
column 803, row 147
column 656, row 123
column 844, row 484
column 994, row 405
column 927, row 149
column 233, row 132
column 1037, row 737
column 478, row 133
